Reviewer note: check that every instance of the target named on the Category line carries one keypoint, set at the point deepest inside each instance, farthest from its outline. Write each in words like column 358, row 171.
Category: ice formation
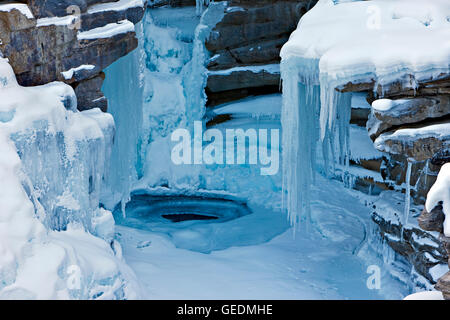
column 389, row 40
column 50, row 221
column 172, row 96
column 440, row 192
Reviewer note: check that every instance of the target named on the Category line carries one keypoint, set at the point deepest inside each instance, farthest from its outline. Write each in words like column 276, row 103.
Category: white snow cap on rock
column 440, row 191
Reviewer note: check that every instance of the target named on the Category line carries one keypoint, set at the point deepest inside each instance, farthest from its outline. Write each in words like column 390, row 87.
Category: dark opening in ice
column 178, row 217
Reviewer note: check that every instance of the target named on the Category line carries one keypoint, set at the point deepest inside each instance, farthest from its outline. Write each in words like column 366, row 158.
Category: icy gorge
column 93, row 206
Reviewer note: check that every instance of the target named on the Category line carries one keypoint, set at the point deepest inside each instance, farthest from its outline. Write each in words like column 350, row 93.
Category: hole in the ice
column 150, row 209
column 179, row 217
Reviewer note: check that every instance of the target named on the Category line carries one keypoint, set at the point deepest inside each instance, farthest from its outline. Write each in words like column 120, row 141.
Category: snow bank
column 51, row 168
column 440, row 191
column 425, row 295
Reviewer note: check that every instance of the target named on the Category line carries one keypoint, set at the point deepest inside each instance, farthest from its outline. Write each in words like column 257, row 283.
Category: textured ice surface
column 256, row 251
column 125, row 103
column 257, row 260
column 51, row 169
column 171, row 97
column 389, row 39
column 115, row 6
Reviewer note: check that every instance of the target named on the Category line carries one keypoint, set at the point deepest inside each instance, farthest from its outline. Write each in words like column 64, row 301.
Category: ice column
column 315, row 117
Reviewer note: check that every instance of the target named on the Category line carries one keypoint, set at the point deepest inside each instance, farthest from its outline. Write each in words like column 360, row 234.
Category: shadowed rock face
column 40, row 51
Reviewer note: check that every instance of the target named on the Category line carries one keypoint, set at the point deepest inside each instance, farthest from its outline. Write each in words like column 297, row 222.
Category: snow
column 398, row 40
column 204, row 260
column 51, row 169
column 258, row 252
column 23, row 8
column 438, row 271
column 386, row 104
column 269, row 68
column 440, row 191
column 120, row 5
column 267, row 106
column 69, row 73
column 107, row 31
column 359, row 101
column 361, row 147
column 379, row 41
column 57, row 21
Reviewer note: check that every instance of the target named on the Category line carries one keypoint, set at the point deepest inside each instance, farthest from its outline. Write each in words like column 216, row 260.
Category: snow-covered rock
column 55, row 241
column 248, row 38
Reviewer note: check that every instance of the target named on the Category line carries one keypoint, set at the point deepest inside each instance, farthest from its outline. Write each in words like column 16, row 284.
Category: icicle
column 427, row 171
